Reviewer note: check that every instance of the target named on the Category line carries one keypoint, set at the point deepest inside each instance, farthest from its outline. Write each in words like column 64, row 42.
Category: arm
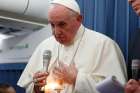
column 108, row 61
column 111, row 62
column 34, row 65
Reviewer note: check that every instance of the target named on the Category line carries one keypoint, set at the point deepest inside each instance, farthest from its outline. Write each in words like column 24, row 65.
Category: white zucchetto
column 71, row 4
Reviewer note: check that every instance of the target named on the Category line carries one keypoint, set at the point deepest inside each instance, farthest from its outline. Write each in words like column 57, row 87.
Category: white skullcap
column 71, row 4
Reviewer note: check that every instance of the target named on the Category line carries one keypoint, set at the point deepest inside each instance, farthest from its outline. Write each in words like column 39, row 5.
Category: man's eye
column 62, row 24
column 52, row 25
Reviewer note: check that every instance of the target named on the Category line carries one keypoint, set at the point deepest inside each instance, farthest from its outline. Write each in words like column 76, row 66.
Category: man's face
column 64, row 24
column 136, row 5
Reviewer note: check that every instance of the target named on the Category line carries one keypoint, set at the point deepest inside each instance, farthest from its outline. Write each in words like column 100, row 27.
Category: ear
column 80, row 18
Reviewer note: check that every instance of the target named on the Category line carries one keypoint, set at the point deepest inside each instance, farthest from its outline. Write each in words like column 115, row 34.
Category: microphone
column 135, row 69
column 46, row 59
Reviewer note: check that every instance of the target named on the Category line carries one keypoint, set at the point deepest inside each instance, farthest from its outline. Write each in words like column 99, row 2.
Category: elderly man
column 80, row 57
column 132, row 85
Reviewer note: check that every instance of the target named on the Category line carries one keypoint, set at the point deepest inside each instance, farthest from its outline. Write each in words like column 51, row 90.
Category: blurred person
column 80, row 57
column 133, row 86
column 6, row 88
column 135, row 5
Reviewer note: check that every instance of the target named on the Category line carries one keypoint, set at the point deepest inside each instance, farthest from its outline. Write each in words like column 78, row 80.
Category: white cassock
column 97, row 58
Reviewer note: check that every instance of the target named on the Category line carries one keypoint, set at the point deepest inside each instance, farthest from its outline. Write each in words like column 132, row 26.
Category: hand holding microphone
column 39, row 77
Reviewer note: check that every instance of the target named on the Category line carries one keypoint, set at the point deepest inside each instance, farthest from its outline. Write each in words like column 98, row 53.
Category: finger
column 58, row 73
column 36, row 74
column 40, row 74
column 132, row 81
column 57, row 69
column 41, row 79
column 40, row 84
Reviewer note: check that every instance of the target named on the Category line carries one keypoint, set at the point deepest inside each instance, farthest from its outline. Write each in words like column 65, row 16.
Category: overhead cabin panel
column 23, row 15
column 37, row 8
column 16, row 6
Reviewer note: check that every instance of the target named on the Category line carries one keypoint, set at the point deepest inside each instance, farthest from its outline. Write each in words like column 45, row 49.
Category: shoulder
column 47, row 44
column 103, row 43
column 49, row 41
column 97, row 37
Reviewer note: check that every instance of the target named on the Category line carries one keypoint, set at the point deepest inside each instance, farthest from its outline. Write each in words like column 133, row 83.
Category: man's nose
column 57, row 31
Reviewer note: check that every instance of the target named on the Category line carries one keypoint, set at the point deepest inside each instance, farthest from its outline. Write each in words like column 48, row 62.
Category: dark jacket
column 134, row 51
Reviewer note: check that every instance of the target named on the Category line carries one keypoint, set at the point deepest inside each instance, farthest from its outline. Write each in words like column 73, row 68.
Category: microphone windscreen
column 46, row 59
column 47, row 54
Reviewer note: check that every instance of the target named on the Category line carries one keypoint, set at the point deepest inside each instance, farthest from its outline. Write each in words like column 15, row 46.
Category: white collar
column 79, row 33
